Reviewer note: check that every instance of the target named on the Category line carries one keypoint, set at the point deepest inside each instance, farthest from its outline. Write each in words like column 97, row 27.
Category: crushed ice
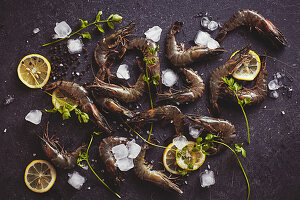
column 180, row 141
column 62, row 30
column 124, row 155
column 123, row 72
column 34, row 116
column 8, row 100
column 169, row 77
column 273, row 84
column 207, row 178
column 125, row 164
column 274, row 94
column 133, row 149
column 36, row 30
column 204, row 22
column 194, row 132
column 120, row 151
column 153, row 33
column 212, row 25
column 76, row 180
column 74, row 46
column 205, row 40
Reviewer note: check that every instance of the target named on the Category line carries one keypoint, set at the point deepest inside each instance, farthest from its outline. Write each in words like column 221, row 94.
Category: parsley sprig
column 235, row 87
column 154, row 80
column 113, row 18
column 84, row 156
column 208, row 142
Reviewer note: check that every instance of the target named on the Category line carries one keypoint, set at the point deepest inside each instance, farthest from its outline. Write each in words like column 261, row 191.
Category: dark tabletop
column 272, row 162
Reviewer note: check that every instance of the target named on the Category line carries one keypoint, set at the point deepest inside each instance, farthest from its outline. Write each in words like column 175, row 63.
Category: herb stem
column 87, row 160
column 151, row 103
column 76, row 32
column 242, row 107
column 248, row 186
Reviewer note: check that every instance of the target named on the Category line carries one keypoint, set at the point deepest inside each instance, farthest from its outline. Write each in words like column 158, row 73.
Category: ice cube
column 62, row 30
column 74, row 46
column 212, row 25
column 204, row 22
column 76, row 180
column 278, row 75
column 8, row 100
column 274, row 94
column 123, row 72
column 36, row 30
column 120, row 151
column 212, row 44
column 282, row 112
column 207, row 178
column 274, row 84
column 194, row 132
column 125, row 164
column 202, row 38
column 169, row 77
column 180, row 142
column 34, row 116
column 133, row 149
column 153, row 33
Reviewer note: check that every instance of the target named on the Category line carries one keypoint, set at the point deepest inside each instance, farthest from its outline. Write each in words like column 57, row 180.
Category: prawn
column 254, row 20
column 167, row 113
column 180, row 57
column 106, row 51
column 228, row 68
column 111, row 105
column 188, row 95
column 258, row 93
column 58, row 156
column 80, row 94
column 122, row 93
column 144, row 45
column 107, row 156
column 222, row 128
column 145, row 172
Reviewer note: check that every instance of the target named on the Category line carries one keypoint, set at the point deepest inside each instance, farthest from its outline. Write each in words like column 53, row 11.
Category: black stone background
column 272, row 162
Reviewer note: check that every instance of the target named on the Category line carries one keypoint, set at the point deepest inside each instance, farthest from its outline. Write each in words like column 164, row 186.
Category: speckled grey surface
column 272, row 162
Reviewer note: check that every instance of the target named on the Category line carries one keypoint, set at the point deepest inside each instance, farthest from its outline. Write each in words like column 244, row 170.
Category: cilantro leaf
column 53, row 110
column 110, row 25
column 99, row 26
column 83, row 23
column 98, row 16
column 239, row 148
column 86, row 35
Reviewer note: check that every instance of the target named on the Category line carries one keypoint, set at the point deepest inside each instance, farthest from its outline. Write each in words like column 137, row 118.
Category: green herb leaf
column 83, row 23
column 53, row 110
column 97, row 133
column 247, row 100
column 85, row 117
column 239, row 148
column 184, row 148
column 183, row 172
column 99, row 26
column 98, row 16
column 190, row 166
column 145, row 78
column 116, row 18
column 196, row 148
column 86, row 35
column 199, row 140
column 66, row 113
column 111, row 25
column 178, row 155
column 209, row 136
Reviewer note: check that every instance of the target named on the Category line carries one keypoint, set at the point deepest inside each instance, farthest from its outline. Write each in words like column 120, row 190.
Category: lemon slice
column 37, row 66
column 189, row 158
column 39, row 176
column 169, row 159
column 248, row 70
column 59, row 98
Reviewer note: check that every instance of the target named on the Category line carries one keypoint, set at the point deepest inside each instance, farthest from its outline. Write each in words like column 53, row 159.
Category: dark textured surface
column 272, row 162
